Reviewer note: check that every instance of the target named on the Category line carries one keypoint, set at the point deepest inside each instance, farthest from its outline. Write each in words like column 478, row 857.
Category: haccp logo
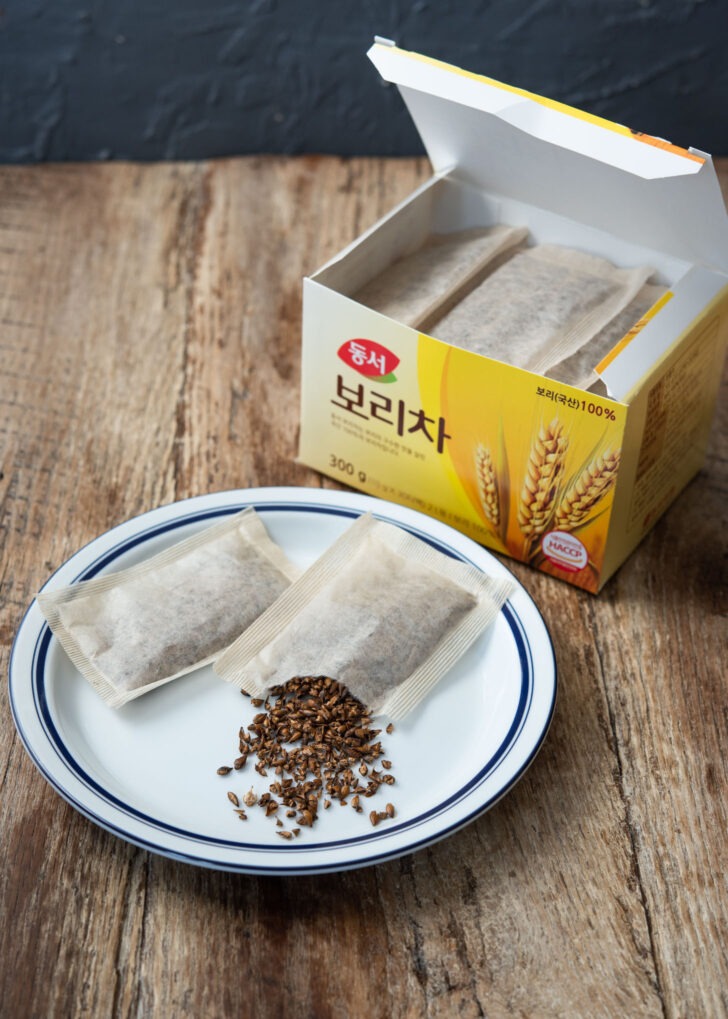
column 565, row 551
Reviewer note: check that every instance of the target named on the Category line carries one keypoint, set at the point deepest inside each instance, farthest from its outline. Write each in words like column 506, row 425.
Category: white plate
column 147, row 771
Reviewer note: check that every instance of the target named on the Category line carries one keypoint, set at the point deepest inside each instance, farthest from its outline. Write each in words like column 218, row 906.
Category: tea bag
column 541, row 306
column 578, row 370
column 130, row 631
column 381, row 611
column 438, row 274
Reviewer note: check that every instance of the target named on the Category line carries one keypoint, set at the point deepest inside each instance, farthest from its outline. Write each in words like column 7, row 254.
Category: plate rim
column 174, row 514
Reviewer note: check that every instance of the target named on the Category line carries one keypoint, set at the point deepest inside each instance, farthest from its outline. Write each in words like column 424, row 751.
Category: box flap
column 630, row 363
column 519, row 145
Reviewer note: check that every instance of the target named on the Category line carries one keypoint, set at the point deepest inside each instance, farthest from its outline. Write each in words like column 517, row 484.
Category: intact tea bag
column 130, row 631
column 438, row 274
column 381, row 611
column 541, row 306
column 578, row 370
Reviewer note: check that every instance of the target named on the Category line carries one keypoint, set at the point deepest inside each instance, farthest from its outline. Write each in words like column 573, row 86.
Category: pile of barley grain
column 318, row 741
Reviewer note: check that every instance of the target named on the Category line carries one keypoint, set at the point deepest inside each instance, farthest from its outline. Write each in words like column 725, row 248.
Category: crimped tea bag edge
column 246, row 521
column 489, row 595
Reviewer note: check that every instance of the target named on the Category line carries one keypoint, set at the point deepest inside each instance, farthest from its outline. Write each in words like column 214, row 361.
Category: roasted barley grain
column 314, row 735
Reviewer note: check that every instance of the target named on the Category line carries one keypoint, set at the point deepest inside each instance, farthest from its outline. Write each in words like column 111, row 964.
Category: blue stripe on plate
column 65, row 754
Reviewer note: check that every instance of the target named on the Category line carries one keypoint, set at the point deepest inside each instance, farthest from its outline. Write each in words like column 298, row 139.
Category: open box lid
column 518, row 145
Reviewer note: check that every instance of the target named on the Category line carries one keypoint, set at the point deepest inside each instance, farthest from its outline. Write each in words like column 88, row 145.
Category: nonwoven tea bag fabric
column 381, row 611
column 540, row 306
column 414, row 287
column 130, row 631
column 578, row 370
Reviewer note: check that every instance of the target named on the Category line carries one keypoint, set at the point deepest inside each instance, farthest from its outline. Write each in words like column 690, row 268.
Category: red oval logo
column 565, row 551
column 369, row 358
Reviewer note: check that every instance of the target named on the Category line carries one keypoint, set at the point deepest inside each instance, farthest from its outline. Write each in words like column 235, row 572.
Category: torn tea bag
column 381, row 611
column 540, row 307
column 578, row 370
column 130, row 631
column 430, row 280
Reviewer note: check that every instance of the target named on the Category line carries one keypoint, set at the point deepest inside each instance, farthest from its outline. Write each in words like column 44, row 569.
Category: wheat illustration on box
column 551, row 495
column 493, row 485
column 541, row 484
column 586, row 491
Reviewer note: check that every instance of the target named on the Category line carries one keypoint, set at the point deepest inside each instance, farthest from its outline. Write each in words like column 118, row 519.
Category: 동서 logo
column 565, row 551
column 369, row 358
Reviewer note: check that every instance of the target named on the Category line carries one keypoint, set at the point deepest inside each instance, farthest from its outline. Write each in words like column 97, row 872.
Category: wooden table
column 150, row 351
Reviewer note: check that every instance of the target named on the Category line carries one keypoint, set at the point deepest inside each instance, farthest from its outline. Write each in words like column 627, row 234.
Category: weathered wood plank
column 149, row 351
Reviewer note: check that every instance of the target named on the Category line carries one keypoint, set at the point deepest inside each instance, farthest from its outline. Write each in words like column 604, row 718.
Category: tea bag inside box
column 578, row 370
column 130, row 631
column 433, row 278
column 540, row 307
column 381, row 611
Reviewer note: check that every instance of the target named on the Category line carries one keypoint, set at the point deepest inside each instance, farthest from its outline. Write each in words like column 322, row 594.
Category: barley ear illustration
column 541, row 484
column 587, row 490
column 487, row 482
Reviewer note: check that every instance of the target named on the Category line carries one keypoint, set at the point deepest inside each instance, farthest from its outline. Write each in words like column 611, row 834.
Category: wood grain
column 149, row 352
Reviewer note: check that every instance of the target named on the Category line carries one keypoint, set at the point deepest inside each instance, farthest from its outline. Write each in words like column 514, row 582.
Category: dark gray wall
column 153, row 79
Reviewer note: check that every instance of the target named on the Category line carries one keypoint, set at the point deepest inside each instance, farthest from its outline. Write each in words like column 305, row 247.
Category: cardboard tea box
column 567, row 477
